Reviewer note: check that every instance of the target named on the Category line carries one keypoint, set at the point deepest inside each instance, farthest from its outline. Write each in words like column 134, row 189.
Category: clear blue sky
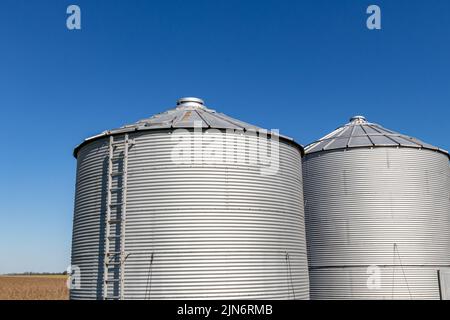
column 304, row 67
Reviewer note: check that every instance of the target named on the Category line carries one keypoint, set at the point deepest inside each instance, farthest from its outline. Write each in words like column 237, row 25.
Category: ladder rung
column 113, row 267
column 116, row 204
column 118, row 153
column 122, row 142
column 114, row 221
column 113, row 253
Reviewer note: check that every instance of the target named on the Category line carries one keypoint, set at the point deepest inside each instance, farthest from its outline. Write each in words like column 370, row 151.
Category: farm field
column 34, row 287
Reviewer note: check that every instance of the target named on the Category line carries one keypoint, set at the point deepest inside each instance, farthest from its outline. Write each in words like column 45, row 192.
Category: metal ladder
column 115, row 256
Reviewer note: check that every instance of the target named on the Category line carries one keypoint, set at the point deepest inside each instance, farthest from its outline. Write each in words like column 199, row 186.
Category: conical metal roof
column 361, row 133
column 190, row 112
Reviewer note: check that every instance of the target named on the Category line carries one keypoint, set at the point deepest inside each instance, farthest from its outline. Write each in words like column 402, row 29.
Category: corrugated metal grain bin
column 158, row 217
column 377, row 214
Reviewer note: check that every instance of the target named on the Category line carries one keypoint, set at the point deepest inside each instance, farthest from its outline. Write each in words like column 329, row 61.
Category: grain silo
column 159, row 215
column 377, row 207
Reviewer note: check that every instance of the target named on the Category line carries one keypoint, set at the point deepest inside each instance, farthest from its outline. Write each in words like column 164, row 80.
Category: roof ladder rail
column 114, row 252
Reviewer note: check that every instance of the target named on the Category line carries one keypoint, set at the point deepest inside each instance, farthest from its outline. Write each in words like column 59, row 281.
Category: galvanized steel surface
column 396, row 283
column 189, row 113
column 195, row 231
column 88, row 234
column 360, row 133
column 388, row 207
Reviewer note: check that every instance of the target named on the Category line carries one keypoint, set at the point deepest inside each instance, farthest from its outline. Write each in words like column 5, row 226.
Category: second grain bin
column 182, row 206
column 377, row 208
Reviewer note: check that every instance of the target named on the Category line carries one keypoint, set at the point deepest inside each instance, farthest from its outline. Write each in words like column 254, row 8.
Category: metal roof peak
column 358, row 119
column 361, row 133
column 190, row 112
column 185, row 100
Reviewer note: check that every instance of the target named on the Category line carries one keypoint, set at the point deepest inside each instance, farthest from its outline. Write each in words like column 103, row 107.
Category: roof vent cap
column 190, row 102
column 358, row 119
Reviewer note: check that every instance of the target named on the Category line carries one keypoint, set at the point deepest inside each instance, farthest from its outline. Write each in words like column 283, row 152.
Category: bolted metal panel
column 395, row 283
column 381, row 206
column 88, row 225
column 198, row 230
column 217, row 231
column 201, row 232
column 361, row 133
column 189, row 113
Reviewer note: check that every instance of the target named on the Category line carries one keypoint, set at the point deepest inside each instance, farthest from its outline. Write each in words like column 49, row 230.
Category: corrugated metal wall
column 88, row 223
column 395, row 283
column 383, row 206
column 195, row 231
